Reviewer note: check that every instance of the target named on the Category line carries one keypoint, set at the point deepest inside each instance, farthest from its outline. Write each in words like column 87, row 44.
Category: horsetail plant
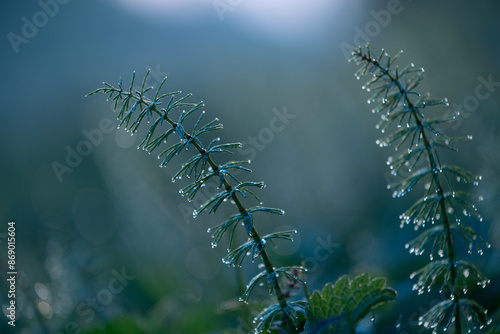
column 135, row 106
column 441, row 205
column 338, row 308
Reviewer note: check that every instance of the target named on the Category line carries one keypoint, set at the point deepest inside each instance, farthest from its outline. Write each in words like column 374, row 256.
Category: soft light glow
column 279, row 18
column 179, row 10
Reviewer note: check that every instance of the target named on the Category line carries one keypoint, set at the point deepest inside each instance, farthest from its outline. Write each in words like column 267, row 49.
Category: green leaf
column 344, row 304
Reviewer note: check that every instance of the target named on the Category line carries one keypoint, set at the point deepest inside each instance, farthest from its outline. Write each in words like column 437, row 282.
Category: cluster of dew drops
column 470, row 324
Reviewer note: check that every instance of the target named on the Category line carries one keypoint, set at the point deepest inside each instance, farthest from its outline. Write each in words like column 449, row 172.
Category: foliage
column 341, row 306
column 441, row 205
column 357, row 297
column 135, row 106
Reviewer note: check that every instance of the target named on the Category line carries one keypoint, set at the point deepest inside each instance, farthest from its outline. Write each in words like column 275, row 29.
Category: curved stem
column 255, row 236
column 152, row 106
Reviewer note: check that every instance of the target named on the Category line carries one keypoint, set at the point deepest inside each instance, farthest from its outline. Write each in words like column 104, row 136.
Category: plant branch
column 147, row 108
column 393, row 88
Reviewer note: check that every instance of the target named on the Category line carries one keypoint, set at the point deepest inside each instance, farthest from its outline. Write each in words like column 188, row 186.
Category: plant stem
column 255, row 236
column 152, row 106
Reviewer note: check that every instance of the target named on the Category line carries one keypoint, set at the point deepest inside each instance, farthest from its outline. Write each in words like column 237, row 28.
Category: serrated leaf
column 347, row 302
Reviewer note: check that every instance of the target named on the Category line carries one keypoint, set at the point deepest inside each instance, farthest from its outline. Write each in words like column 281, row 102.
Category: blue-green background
column 116, row 210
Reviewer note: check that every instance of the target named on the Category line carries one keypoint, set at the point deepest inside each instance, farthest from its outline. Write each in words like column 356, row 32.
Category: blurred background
column 104, row 242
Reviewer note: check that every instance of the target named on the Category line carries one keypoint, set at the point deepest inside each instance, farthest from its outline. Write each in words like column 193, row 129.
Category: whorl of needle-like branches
column 419, row 140
column 156, row 108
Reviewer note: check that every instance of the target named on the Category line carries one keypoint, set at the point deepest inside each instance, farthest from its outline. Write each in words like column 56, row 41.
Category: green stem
column 254, row 234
